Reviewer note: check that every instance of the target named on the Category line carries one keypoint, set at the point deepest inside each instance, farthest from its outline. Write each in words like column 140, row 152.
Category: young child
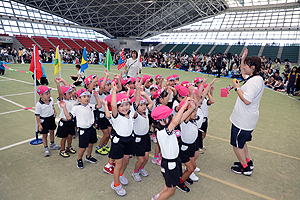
column 159, row 80
column 171, row 164
column 66, row 128
column 141, row 129
column 85, row 122
column 292, row 81
column 122, row 140
column 45, row 116
column 79, row 77
column 147, row 80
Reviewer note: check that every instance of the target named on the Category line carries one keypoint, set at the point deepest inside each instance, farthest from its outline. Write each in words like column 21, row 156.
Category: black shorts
column 199, row 141
column 151, row 120
column 65, row 128
column 239, row 137
column 48, row 123
column 186, row 151
column 121, row 146
column 204, row 124
column 102, row 122
column 142, row 144
column 171, row 171
column 87, row 136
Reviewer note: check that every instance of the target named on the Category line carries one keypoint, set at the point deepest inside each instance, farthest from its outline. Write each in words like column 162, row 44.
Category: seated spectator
column 271, row 82
column 279, row 85
column 235, row 72
column 224, row 71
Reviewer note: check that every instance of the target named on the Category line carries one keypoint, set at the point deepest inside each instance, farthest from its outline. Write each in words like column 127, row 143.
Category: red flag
column 140, row 55
column 121, row 60
column 35, row 62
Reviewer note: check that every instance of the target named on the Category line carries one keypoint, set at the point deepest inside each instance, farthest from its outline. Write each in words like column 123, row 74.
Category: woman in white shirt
column 133, row 66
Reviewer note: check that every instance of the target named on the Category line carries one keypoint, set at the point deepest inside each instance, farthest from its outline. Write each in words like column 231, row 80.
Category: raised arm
column 114, row 108
column 103, row 82
column 150, row 102
column 63, row 105
column 60, row 94
column 99, row 104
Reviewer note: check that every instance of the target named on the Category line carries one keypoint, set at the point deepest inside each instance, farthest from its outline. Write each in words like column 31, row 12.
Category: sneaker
column 119, row 189
column 64, row 154
column 159, row 156
column 156, row 161
column 189, row 181
column 123, row 180
column 80, row 164
column 250, row 163
column 193, row 177
column 287, row 94
column 71, row 150
column 46, row 152
column 204, row 148
column 109, row 169
column 101, row 151
column 106, row 148
column 90, row 159
column 136, row 177
column 154, row 139
column 197, row 169
column 155, row 197
column 240, row 170
column 183, row 187
column 201, row 151
column 54, row 146
column 143, row 172
column 291, row 94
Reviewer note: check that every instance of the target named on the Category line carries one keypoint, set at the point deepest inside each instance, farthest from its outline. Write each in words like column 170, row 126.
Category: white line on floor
column 11, row 112
column 16, row 144
column 9, row 95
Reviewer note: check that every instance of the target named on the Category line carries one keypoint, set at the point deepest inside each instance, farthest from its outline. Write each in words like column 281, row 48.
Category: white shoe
column 197, row 169
column 193, row 177
column 119, row 190
column 123, row 180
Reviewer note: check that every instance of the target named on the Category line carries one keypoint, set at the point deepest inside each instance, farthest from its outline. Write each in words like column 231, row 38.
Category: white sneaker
column 204, row 148
column 123, row 180
column 201, row 151
column 119, row 190
column 143, row 172
column 193, row 177
column 136, row 177
column 54, row 146
column 197, row 169
column 46, row 152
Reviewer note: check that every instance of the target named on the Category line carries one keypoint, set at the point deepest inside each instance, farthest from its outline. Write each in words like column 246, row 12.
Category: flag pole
column 36, row 141
column 107, row 59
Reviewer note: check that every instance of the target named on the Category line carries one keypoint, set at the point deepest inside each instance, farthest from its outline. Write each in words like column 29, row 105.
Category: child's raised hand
column 95, row 93
column 143, row 93
column 191, row 88
column 245, row 54
column 204, row 81
column 114, row 86
column 62, row 104
column 106, row 72
column 116, row 76
column 103, row 101
column 212, row 90
column 57, row 80
column 213, row 81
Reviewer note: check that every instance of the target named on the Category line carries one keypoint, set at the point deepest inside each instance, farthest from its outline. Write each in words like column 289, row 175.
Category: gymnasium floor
column 26, row 174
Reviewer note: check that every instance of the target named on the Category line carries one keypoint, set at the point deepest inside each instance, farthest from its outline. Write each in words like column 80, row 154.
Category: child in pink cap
column 159, row 80
column 45, row 114
column 171, row 166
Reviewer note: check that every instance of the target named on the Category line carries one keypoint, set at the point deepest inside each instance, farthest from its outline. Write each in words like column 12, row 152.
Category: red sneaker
column 108, row 169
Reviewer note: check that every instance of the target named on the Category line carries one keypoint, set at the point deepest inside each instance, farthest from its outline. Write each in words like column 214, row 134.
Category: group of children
column 126, row 109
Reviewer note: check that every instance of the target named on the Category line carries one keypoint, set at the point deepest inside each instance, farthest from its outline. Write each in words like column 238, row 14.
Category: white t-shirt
column 44, row 110
column 123, row 125
column 168, row 144
column 204, row 107
column 246, row 116
column 80, row 73
column 175, row 104
column 69, row 106
column 133, row 67
column 141, row 124
column 201, row 117
column 84, row 115
column 189, row 132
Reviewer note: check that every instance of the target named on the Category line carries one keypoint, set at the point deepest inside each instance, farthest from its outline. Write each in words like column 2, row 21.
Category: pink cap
column 142, row 100
column 115, row 81
column 196, row 91
column 82, row 92
column 131, row 93
column 65, row 89
column 197, row 80
column 133, row 79
column 108, row 99
column 183, row 91
column 108, row 81
column 42, row 89
column 93, row 76
column 161, row 112
column 175, row 76
column 121, row 98
column 154, row 86
column 177, row 87
column 158, row 76
column 185, row 83
column 72, row 86
column 124, row 81
column 170, row 78
column 181, row 104
column 157, row 94
column 88, row 80
column 139, row 78
column 146, row 77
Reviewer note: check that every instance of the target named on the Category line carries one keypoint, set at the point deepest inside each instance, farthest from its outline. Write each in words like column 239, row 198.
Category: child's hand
column 62, row 104
column 106, row 72
column 57, row 80
column 192, row 104
column 116, row 76
column 127, row 86
column 114, row 86
column 212, row 90
column 204, row 81
column 95, row 93
column 213, row 81
column 169, row 90
column 191, row 89
column 40, row 128
column 143, row 93
column 103, row 101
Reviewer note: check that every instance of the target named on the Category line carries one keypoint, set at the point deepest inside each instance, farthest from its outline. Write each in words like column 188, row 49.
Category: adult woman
column 245, row 114
column 133, row 66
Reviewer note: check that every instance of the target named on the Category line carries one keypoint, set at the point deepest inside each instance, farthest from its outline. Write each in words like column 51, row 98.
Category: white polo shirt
column 102, row 96
column 141, row 124
column 168, row 144
column 204, row 107
column 246, row 116
column 44, row 110
column 84, row 115
column 123, row 125
column 201, row 116
column 189, row 132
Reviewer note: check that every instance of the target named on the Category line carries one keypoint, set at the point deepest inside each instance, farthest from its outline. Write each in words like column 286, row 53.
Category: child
column 292, row 81
column 141, row 129
column 85, row 122
column 147, row 80
column 197, row 82
column 122, row 141
column 45, row 116
column 2, row 68
column 171, row 164
column 159, row 80
column 79, row 77
column 66, row 128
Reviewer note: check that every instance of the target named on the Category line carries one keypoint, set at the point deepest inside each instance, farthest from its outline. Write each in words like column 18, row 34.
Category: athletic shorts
column 65, row 128
column 87, row 136
column 199, row 141
column 121, row 146
column 102, row 121
column 171, row 170
column 142, row 144
column 239, row 137
column 186, row 151
column 204, row 124
column 48, row 123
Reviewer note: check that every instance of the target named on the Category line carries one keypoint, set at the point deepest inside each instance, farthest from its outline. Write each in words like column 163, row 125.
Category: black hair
column 78, row 66
column 137, row 55
column 253, row 61
column 159, row 126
